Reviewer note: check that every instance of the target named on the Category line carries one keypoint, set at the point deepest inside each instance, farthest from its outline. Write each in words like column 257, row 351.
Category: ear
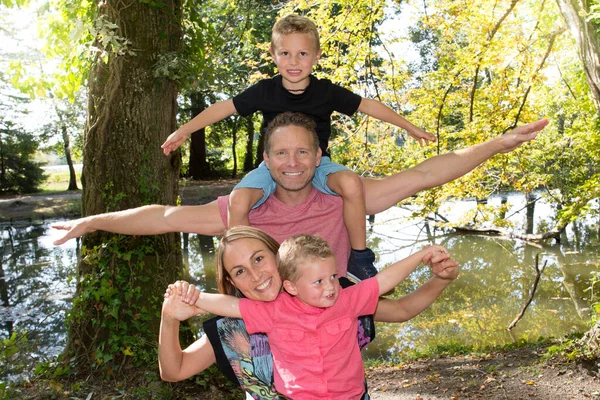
column 290, row 287
column 319, row 156
column 230, row 281
column 317, row 58
column 266, row 159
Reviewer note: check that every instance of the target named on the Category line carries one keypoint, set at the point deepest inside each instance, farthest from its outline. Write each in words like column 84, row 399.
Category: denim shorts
column 260, row 178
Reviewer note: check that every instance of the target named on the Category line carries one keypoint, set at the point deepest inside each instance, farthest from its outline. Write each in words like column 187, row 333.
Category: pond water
column 495, row 282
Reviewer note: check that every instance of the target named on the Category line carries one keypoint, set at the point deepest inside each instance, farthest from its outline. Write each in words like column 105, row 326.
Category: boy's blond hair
column 293, row 23
column 297, row 250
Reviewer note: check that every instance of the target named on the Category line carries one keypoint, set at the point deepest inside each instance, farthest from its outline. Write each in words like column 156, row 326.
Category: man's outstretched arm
column 381, row 194
column 148, row 220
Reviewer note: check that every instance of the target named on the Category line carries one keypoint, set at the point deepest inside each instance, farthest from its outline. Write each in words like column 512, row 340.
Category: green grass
column 58, row 182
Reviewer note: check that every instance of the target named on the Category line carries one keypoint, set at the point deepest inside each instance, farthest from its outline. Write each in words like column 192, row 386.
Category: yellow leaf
column 128, row 351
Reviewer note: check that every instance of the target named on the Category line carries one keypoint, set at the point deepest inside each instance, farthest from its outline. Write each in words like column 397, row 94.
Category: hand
column 173, row 142
column 174, row 306
column 442, row 266
column 513, row 139
column 421, row 136
column 75, row 229
column 187, row 292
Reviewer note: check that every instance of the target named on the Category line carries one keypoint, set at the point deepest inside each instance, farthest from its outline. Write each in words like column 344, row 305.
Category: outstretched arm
column 411, row 305
column 382, row 112
column 219, row 304
column 214, row 113
column 148, row 220
column 394, row 274
column 174, row 363
column 381, row 194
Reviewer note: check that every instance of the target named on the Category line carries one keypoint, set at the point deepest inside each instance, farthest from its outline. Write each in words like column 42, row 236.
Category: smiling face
column 292, row 158
column 318, row 283
column 295, row 55
column 252, row 269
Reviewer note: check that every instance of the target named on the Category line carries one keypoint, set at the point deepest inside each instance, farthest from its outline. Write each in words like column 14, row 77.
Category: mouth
column 265, row 285
column 292, row 173
column 330, row 296
column 294, row 71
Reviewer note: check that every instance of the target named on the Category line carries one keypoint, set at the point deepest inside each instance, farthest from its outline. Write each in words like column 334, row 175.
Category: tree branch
column 538, row 275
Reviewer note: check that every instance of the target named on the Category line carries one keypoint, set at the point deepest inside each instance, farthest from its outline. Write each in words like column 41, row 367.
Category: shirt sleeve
column 247, row 102
column 364, row 296
column 257, row 315
column 344, row 100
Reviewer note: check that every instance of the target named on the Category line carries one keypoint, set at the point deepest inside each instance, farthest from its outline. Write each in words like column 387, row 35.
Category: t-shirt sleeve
column 257, row 315
column 364, row 296
column 246, row 102
column 344, row 100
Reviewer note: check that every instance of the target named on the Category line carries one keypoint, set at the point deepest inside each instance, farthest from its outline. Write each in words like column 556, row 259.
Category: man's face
column 292, row 158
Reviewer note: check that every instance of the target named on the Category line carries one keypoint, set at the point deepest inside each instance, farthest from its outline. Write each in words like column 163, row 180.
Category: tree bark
column 248, row 158
column 587, row 37
column 199, row 168
column 67, row 150
column 130, row 114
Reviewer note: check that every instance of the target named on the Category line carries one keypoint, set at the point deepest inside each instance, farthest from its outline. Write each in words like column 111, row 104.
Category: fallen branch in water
column 538, row 275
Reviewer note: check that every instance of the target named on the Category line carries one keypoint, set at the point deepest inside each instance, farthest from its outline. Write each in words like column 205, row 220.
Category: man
column 292, row 154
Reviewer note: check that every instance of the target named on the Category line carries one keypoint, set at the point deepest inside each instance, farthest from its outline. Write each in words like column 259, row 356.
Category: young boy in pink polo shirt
column 312, row 325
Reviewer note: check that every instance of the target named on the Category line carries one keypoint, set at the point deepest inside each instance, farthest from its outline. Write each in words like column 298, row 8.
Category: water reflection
column 496, row 280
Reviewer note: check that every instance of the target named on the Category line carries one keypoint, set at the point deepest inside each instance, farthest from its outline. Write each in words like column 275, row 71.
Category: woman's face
column 252, row 269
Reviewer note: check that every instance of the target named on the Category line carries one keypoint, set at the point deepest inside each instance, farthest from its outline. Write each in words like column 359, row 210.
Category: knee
column 351, row 185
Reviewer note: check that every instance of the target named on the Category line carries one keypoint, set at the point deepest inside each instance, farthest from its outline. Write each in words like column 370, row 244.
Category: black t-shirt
column 320, row 99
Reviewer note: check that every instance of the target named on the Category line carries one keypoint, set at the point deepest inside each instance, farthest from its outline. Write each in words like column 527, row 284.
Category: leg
column 240, row 203
column 349, row 185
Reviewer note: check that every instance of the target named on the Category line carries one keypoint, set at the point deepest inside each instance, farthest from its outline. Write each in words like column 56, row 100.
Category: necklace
column 296, row 90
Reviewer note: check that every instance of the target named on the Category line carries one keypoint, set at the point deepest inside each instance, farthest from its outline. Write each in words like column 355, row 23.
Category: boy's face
column 295, row 55
column 318, row 285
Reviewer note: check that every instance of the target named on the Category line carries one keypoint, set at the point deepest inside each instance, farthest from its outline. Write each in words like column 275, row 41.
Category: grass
column 58, row 182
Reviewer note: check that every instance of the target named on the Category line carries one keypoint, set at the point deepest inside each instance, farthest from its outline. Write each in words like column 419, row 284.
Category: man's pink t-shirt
column 315, row 355
column 320, row 214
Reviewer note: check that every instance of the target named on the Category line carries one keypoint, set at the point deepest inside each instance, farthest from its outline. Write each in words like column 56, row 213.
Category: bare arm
column 383, row 193
column 148, row 220
column 394, row 274
column 214, row 113
column 219, row 304
column 383, row 113
column 176, row 364
column 411, row 305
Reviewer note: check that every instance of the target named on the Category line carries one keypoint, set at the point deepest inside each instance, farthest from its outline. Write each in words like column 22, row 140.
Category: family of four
column 287, row 329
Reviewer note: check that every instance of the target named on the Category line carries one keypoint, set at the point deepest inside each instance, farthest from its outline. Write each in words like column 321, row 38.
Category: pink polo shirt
column 315, row 355
column 320, row 214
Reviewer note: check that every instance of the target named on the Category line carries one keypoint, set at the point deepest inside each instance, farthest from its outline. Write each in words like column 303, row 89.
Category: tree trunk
column 199, row 168
column 67, row 149
column 259, row 150
column 233, row 146
column 248, row 158
column 587, row 36
column 116, row 311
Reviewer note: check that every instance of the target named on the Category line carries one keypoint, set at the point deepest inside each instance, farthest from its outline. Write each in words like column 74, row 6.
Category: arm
column 383, row 193
column 383, row 113
column 176, row 364
column 413, row 304
column 394, row 274
column 214, row 113
column 219, row 304
column 148, row 220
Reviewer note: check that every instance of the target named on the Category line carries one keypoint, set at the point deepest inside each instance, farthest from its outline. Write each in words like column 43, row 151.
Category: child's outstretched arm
column 214, row 113
column 394, row 274
column 382, row 112
column 219, row 304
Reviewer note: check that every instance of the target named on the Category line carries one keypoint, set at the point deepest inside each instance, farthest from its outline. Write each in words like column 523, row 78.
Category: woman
column 246, row 266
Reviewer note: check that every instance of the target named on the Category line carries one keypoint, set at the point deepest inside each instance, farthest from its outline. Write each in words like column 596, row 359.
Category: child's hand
column 441, row 264
column 186, row 291
column 176, row 308
column 421, row 136
column 174, row 140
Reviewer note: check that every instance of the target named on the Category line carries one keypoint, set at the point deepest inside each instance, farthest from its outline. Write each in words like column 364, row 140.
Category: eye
column 317, row 282
column 258, row 259
column 239, row 271
column 334, row 277
column 303, row 53
column 284, row 53
column 280, row 153
column 303, row 152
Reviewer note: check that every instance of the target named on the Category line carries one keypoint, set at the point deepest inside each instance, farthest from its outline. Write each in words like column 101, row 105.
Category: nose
column 292, row 161
column 328, row 285
column 254, row 274
column 293, row 60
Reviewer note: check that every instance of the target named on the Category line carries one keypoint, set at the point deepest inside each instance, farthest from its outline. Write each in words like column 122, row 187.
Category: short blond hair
column 297, row 250
column 293, row 23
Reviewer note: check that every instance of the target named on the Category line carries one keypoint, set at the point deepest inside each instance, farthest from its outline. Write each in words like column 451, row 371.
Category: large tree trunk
column 587, row 36
column 115, row 316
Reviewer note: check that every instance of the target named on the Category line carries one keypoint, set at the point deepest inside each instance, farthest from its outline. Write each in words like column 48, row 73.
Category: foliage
column 18, row 172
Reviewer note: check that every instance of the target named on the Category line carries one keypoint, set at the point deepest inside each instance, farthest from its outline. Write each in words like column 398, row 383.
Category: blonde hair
column 297, row 250
column 293, row 23
column 231, row 235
